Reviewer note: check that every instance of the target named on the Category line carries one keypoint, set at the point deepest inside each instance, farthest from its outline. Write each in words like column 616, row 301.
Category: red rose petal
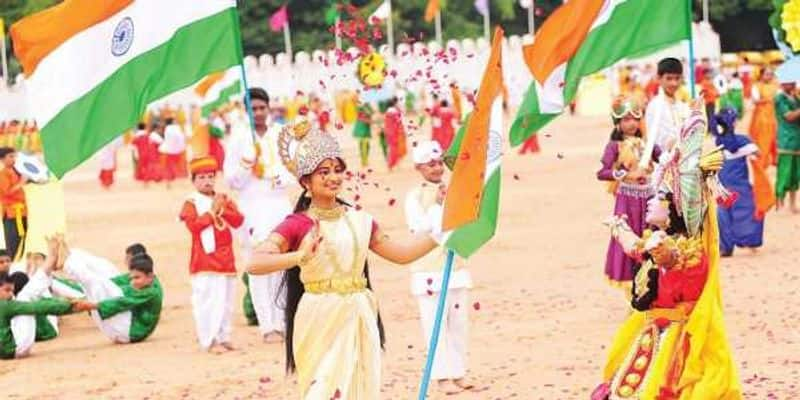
column 477, row 306
column 391, row 202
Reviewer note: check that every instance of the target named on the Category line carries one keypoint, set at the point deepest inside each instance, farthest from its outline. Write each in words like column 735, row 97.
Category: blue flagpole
column 692, row 83
column 437, row 325
column 247, row 104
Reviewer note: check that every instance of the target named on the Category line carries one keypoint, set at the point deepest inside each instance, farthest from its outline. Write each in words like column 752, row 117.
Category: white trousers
column 23, row 327
column 94, row 274
column 268, row 298
column 212, row 306
column 450, row 361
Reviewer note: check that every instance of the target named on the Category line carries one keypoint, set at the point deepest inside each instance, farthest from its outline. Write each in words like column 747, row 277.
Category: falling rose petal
column 369, row 170
column 358, row 207
column 516, row 177
column 265, row 379
column 339, row 125
column 357, row 198
column 430, row 292
column 391, row 202
column 456, row 306
column 430, row 281
column 560, row 155
column 477, row 306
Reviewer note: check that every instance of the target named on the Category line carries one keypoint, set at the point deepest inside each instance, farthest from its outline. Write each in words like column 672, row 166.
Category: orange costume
column 764, row 126
column 15, row 211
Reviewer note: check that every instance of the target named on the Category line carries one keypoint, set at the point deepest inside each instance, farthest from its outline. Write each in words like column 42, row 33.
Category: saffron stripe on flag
column 47, row 30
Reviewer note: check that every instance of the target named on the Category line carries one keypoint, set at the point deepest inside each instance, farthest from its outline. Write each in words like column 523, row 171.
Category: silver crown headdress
column 312, row 148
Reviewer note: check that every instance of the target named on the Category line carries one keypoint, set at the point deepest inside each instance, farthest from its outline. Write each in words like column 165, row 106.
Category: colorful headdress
column 625, row 105
column 725, row 119
column 203, row 165
column 311, row 148
column 690, row 174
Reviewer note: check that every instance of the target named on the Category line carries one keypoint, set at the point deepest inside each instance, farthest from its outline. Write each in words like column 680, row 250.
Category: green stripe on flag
column 114, row 106
column 636, row 28
column 223, row 98
column 466, row 240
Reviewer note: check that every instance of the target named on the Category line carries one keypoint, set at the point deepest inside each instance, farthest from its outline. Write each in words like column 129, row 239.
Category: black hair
column 618, row 136
column 169, row 121
column 676, row 223
column 135, row 249
column 5, row 278
column 4, row 151
column 444, row 103
column 141, row 125
column 4, row 253
column 670, row 65
column 295, row 289
column 142, row 263
column 258, row 93
column 19, row 279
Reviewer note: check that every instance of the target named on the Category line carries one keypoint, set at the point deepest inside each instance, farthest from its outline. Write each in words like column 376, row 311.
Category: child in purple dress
column 629, row 183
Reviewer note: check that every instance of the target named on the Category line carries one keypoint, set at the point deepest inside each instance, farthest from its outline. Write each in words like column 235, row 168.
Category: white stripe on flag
column 551, row 94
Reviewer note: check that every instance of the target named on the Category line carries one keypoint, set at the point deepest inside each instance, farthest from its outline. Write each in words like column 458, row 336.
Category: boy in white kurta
column 666, row 112
column 255, row 170
column 422, row 206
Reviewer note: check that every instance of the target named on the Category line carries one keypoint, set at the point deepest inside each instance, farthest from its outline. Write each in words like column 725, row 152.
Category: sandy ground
column 545, row 318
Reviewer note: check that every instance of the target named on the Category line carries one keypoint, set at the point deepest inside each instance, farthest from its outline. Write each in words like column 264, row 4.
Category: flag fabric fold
column 482, row 6
column 226, row 85
column 119, row 59
column 472, row 202
column 279, row 20
column 431, row 10
column 382, row 12
column 581, row 38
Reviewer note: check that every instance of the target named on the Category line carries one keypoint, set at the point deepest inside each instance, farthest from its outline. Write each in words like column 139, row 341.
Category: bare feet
column 448, row 387
column 63, row 252
column 220, row 348
column 273, row 337
column 463, row 384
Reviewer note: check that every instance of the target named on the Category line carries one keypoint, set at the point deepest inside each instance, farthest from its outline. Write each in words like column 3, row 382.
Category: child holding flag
column 334, row 335
column 423, row 204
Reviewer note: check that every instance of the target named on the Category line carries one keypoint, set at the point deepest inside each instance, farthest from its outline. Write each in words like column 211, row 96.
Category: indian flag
column 583, row 37
column 93, row 66
column 472, row 202
column 218, row 89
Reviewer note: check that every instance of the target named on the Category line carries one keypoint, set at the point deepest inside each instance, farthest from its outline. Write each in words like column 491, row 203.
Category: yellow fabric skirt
column 337, row 346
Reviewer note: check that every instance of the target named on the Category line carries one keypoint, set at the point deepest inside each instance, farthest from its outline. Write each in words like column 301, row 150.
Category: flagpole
column 287, row 40
column 4, row 60
column 439, row 26
column 486, row 22
column 247, row 100
column 390, row 29
column 337, row 31
column 692, row 89
column 531, row 22
column 437, row 325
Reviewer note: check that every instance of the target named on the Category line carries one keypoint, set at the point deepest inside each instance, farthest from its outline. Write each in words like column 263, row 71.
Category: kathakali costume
column 674, row 345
